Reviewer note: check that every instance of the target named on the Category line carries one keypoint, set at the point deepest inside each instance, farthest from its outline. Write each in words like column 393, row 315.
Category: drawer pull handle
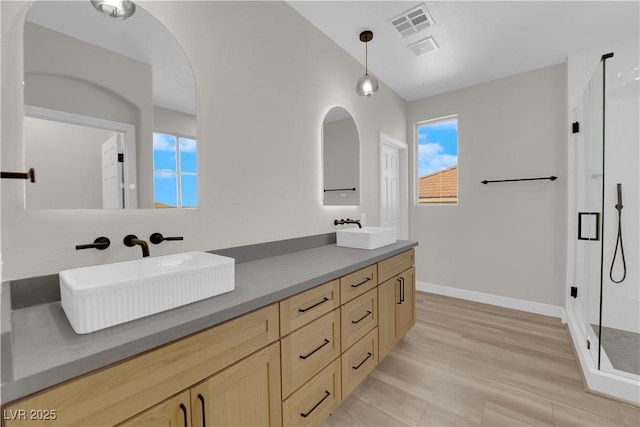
column 326, row 341
column 201, row 399
column 361, row 283
column 306, row 414
column 399, row 290
column 362, row 318
column 184, row 414
column 402, row 289
column 302, row 310
column 362, row 363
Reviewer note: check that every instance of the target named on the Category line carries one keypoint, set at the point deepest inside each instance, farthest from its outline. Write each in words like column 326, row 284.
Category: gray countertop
column 45, row 350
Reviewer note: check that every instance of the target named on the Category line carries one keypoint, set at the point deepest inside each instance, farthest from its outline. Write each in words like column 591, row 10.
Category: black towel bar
column 550, row 178
column 31, row 175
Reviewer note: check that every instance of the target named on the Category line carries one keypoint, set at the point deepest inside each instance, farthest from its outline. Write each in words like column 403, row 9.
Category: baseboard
column 507, row 302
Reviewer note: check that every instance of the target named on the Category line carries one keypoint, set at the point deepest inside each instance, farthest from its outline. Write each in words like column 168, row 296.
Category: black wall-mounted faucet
column 347, row 221
column 157, row 238
column 132, row 240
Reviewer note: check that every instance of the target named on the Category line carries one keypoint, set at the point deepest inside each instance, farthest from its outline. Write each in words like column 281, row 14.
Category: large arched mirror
column 110, row 111
column 341, row 159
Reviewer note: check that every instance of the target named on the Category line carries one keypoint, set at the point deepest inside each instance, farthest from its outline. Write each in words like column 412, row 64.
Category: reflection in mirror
column 132, row 74
column 92, row 141
column 341, row 159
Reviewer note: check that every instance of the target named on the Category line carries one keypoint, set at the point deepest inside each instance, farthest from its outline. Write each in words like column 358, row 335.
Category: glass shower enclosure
column 605, row 294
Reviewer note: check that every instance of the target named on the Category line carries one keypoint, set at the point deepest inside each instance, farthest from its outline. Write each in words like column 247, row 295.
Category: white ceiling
column 479, row 41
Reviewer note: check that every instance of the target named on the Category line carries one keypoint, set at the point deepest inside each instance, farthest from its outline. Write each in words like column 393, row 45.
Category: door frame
column 128, row 136
column 403, row 150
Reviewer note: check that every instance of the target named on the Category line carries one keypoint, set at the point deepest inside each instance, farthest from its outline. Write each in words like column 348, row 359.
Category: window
column 174, row 171
column 437, row 159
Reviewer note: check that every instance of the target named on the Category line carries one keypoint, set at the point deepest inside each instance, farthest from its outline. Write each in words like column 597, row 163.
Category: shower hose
column 619, row 242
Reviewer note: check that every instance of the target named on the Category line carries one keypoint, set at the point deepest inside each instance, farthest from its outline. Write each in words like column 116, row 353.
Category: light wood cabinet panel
column 405, row 312
column 173, row 412
column 301, row 309
column 358, row 317
column 313, row 403
column 245, row 394
column 358, row 362
column 396, row 310
column 308, row 350
column 395, row 265
column 387, row 298
column 117, row 393
column 357, row 283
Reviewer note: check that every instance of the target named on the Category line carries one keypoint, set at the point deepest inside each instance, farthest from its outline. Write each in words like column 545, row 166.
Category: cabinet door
column 387, row 300
column 245, row 394
column 396, row 310
column 173, row 412
column 405, row 311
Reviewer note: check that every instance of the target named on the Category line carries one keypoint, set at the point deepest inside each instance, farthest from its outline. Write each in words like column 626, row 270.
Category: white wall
column 504, row 239
column 68, row 159
column 259, row 145
column 174, row 122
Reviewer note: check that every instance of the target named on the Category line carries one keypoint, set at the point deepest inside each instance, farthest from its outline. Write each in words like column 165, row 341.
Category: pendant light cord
column 366, row 59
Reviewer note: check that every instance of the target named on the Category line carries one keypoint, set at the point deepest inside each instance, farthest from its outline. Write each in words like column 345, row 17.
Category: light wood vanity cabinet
column 396, row 302
column 119, row 392
column 245, row 394
column 290, row 363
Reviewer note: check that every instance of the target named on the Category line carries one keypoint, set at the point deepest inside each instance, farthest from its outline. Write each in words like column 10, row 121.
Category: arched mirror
column 341, row 159
column 110, row 111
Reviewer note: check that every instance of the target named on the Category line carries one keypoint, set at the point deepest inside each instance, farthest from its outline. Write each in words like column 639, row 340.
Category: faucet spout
column 132, row 240
column 347, row 221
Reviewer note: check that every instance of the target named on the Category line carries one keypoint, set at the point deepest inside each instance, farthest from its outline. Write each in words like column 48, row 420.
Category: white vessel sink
column 366, row 237
column 97, row 297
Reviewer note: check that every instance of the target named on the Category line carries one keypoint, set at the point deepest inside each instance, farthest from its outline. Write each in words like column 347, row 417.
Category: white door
column 111, row 174
column 393, row 185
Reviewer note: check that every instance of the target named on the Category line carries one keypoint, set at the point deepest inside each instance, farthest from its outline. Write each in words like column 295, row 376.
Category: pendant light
column 367, row 85
column 118, row 9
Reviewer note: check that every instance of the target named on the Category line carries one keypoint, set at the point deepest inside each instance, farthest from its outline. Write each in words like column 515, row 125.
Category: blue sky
column 164, row 159
column 437, row 146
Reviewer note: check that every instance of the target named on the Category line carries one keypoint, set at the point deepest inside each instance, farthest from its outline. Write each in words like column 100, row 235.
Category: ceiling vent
column 423, row 46
column 412, row 21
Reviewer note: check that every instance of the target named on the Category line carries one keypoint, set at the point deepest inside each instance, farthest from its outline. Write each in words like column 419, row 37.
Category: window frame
column 178, row 172
column 417, row 125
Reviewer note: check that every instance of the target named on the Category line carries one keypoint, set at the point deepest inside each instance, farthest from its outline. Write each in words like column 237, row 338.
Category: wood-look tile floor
column 470, row 364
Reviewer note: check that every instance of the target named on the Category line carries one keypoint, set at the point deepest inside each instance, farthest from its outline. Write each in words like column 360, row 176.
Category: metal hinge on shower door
column 575, row 127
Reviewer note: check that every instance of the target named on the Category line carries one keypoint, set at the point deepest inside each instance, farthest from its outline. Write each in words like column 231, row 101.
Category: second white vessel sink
column 100, row 296
column 366, row 237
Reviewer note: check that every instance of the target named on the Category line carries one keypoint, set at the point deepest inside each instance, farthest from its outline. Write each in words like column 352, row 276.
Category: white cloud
column 187, row 145
column 163, row 142
column 432, row 159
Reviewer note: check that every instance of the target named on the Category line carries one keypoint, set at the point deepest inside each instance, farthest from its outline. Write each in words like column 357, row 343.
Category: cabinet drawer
column 313, row 403
column 301, row 309
column 359, row 361
column 358, row 282
column 359, row 316
column 395, row 265
column 116, row 393
column 308, row 350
